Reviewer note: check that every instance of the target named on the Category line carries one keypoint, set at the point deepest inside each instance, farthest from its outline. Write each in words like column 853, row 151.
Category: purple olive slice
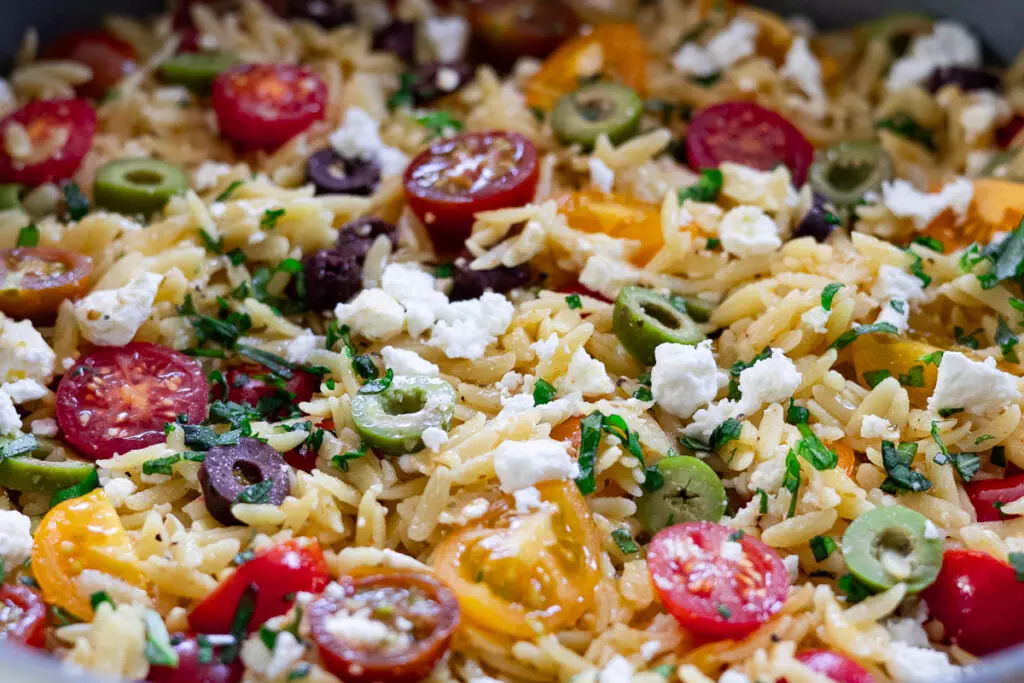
column 333, row 174
column 248, row 472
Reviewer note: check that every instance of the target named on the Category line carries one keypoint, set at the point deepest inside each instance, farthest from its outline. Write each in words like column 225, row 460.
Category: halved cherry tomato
column 418, row 615
column 613, row 51
column 1008, row 133
column 249, row 384
column 997, row 206
column 118, row 398
column 22, row 615
column 571, row 432
column 35, row 280
column 835, row 665
column 60, row 132
column 747, row 133
column 457, row 177
column 523, row 572
column 191, row 670
column 987, row 493
column 873, row 352
column 263, row 106
column 76, row 535
column 506, row 30
column 847, row 458
column 615, row 215
column 575, row 287
column 711, row 595
column 979, row 601
column 277, row 573
column 109, row 57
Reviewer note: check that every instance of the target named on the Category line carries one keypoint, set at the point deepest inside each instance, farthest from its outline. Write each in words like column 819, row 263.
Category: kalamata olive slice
column 325, row 13
column 333, row 174
column 431, row 82
column 818, row 222
column 332, row 277
column 398, row 38
column 471, row 284
column 967, row 78
column 239, row 474
column 357, row 236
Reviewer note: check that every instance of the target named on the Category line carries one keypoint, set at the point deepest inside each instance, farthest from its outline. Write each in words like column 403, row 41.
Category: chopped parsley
column 964, row 338
column 1006, row 340
column 229, row 190
column 914, row 377
column 439, row 123
column 791, row 481
column 270, row 218
column 625, row 541
column 762, row 506
column 822, row 547
column 28, row 236
column 851, row 335
column 854, row 589
column 404, row 95
column 917, row 269
column 907, row 128
column 543, row 392
column 929, row 243
column 165, row 465
column 933, row 358
column 876, row 377
column 574, row 302
column 829, row 293
column 76, row 203
column 706, row 188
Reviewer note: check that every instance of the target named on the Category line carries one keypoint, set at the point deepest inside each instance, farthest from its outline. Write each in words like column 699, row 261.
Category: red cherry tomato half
column 250, row 383
column 35, row 280
column 1007, row 134
column 576, row 287
column 22, row 615
column 118, row 398
column 277, row 573
column 835, row 665
column 263, row 106
column 506, row 30
column 457, row 177
column 416, row 613
column 109, row 57
column 191, row 670
column 747, row 133
column 979, row 601
column 986, row 494
column 709, row 594
column 60, row 132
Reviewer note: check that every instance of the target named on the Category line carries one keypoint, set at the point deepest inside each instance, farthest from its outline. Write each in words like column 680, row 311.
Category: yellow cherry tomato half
column 615, row 215
column 615, row 52
column 76, row 535
column 524, row 572
column 872, row 353
column 998, row 206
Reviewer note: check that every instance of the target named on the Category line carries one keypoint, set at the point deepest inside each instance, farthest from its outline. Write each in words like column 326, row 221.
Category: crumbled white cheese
column 768, row 190
column 545, row 348
column 520, row 464
column 514, row 405
column 447, row 36
column 733, row 676
column 984, row 111
column 684, row 378
column 24, row 390
column 874, row 427
column 617, row 670
column 949, row 44
column 905, row 201
column 601, row 176
column 803, row 69
column 979, row 388
column 118, row 489
column 896, row 283
column 586, row 375
column 434, row 438
column 447, row 79
column 528, row 500
column 112, row 317
column 10, row 420
column 208, row 174
column 817, row 319
column 373, row 314
column 286, row 654
column 792, row 565
column 728, row 46
column 298, row 349
column 909, row 664
column 509, row 381
column 416, row 290
column 15, row 538
column 405, row 362
column 931, row 532
column 768, row 381
column 748, row 231
column 358, row 137
column 358, row 629
column 45, row 426
column 24, row 353
column 693, row 58
column 466, row 328
column 607, row 276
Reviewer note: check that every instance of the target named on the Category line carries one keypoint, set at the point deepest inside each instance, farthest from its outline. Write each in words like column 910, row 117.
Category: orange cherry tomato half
column 77, row 535
column 109, row 57
column 709, row 594
column 37, row 279
column 874, row 352
column 847, row 458
column 523, row 572
column 118, row 398
column 615, row 215
column 22, row 615
column 60, row 134
column 263, row 106
column 997, row 206
column 270, row 579
column 571, row 432
column 506, row 30
column 613, row 51
column 455, row 178
column 416, row 614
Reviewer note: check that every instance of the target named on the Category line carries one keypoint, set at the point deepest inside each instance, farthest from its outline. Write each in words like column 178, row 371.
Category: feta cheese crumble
column 906, row 201
column 358, row 137
column 803, row 69
column 24, row 354
column 434, row 438
column 416, row 290
column 748, row 231
column 607, row 276
column 298, row 349
column 684, row 377
column 15, row 538
column 949, row 44
column 586, row 375
column 601, row 177
column 520, row 464
column 979, row 388
column 112, row 317
column 405, row 362
column 467, row 328
column 817, row 319
column 910, row 664
column 447, row 37
column 730, row 45
column 896, row 289
column 373, row 314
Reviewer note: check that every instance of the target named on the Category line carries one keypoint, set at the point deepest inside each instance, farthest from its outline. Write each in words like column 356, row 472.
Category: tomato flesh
column 835, row 665
column 61, row 133
column 457, row 177
column 506, row 30
column 979, row 600
column 22, row 615
column 747, row 133
column 418, row 613
column 278, row 573
column 109, row 57
column 117, row 399
column 985, row 495
column 262, row 106
column 35, row 280
column 247, row 384
column 713, row 596
column 191, row 670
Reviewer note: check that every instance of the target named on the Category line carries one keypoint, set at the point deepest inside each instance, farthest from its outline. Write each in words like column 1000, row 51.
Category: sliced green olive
column 134, row 186
column 890, row 545
column 581, row 116
column 31, row 474
column 698, row 309
column 10, row 197
column 196, row 70
column 394, row 420
column 692, row 492
column 845, row 172
column 643, row 320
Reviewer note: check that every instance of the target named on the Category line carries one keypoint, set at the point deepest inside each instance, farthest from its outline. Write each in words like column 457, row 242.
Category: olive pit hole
column 405, row 403
column 246, row 473
column 851, row 175
column 144, row 176
column 662, row 314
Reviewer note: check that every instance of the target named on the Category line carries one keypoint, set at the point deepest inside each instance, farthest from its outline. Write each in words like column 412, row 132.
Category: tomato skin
column 747, row 133
column 137, row 379
column 719, row 611
column 575, row 287
column 354, row 665
column 41, row 119
column 616, row 215
column 986, row 493
column 283, row 569
column 109, row 57
column 835, row 665
column 978, row 600
column 263, row 106
column 506, row 30
column 435, row 179
column 245, row 385
column 22, row 615
column 38, row 295
column 191, row 670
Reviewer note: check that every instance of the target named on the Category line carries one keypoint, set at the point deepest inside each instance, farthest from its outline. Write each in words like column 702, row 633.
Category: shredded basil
column 28, row 236
column 791, row 481
column 158, row 649
column 897, row 461
column 270, row 218
column 574, row 301
column 1017, row 562
column 341, row 461
column 76, row 203
column 380, row 385
column 914, row 377
column 929, row 243
column 19, row 446
column 1006, row 340
column 590, row 438
column 543, row 392
column 256, row 494
column 829, row 293
column 625, row 541
column 98, row 598
column 439, row 123
column 706, row 189
column 91, row 481
column 854, row 588
column 763, row 504
column 998, row 457
column 876, row 377
column 811, row 449
column 851, row 335
column 822, row 547
column 933, row 358
column 229, row 190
